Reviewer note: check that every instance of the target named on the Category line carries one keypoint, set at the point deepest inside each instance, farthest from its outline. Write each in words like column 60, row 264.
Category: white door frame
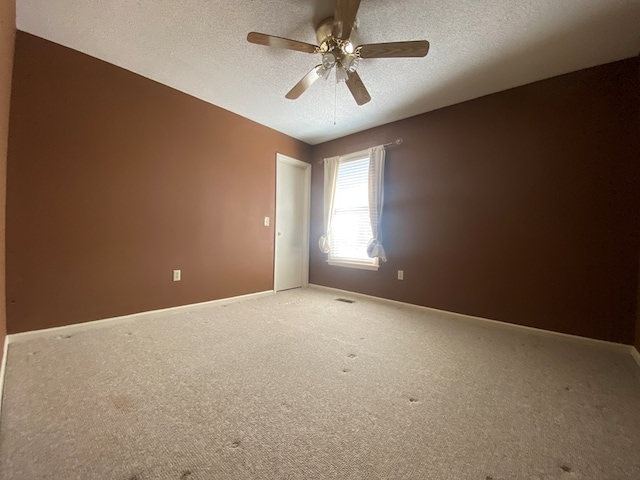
column 280, row 158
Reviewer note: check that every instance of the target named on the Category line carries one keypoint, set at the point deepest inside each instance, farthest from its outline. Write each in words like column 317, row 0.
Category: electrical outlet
column 400, row 274
column 176, row 275
column 266, row 221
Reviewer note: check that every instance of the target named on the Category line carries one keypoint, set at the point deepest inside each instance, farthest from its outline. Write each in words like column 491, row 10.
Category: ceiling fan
column 338, row 52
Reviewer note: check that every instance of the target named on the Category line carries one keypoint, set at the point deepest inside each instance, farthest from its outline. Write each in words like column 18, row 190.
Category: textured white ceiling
column 477, row 47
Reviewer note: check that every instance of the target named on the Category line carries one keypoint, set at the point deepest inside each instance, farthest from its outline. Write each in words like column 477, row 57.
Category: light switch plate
column 176, row 275
column 266, row 221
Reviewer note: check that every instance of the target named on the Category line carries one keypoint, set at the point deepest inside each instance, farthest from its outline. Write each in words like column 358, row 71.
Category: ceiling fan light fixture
column 341, row 75
column 324, row 73
column 350, row 63
column 328, row 60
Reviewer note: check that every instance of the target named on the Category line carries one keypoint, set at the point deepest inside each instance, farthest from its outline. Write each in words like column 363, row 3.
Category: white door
column 293, row 184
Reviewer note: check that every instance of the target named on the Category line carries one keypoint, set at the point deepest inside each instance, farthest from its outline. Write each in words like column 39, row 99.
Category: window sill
column 362, row 266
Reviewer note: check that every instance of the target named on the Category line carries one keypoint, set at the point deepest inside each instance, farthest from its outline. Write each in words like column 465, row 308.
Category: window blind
column 351, row 227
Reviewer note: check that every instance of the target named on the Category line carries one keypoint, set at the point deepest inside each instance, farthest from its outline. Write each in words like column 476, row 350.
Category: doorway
column 293, row 187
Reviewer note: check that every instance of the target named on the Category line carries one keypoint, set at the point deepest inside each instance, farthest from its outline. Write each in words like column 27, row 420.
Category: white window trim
column 374, row 264
column 355, row 264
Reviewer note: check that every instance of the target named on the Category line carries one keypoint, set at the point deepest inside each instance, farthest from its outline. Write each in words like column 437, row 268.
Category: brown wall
column 518, row 206
column 115, row 180
column 637, row 342
column 7, row 37
column 637, row 339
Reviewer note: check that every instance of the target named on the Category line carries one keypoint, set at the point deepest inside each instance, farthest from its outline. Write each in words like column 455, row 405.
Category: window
column 353, row 199
column 351, row 225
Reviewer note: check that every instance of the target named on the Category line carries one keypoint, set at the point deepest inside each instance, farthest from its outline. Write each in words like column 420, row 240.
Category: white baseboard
column 3, row 366
column 107, row 322
column 619, row 347
column 635, row 354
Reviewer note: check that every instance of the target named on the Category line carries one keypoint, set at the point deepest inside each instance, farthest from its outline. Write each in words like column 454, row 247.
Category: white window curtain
column 330, row 177
column 376, row 198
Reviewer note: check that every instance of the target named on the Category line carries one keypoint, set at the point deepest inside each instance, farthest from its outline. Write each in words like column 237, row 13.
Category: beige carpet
column 300, row 386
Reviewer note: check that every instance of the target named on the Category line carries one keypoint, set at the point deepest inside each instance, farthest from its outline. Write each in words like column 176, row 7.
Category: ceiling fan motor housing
column 323, row 32
column 335, row 50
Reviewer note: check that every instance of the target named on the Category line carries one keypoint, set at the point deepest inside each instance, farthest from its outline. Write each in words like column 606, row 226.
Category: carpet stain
column 488, row 478
column 235, row 444
column 567, row 388
column 352, row 355
column 565, row 468
column 345, row 370
column 186, row 474
column 34, row 353
column 135, row 477
column 413, row 400
column 63, row 337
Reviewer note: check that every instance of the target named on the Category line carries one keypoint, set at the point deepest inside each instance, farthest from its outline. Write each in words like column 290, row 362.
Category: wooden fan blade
column 344, row 18
column 357, row 88
column 418, row 48
column 305, row 83
column 279, row 42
